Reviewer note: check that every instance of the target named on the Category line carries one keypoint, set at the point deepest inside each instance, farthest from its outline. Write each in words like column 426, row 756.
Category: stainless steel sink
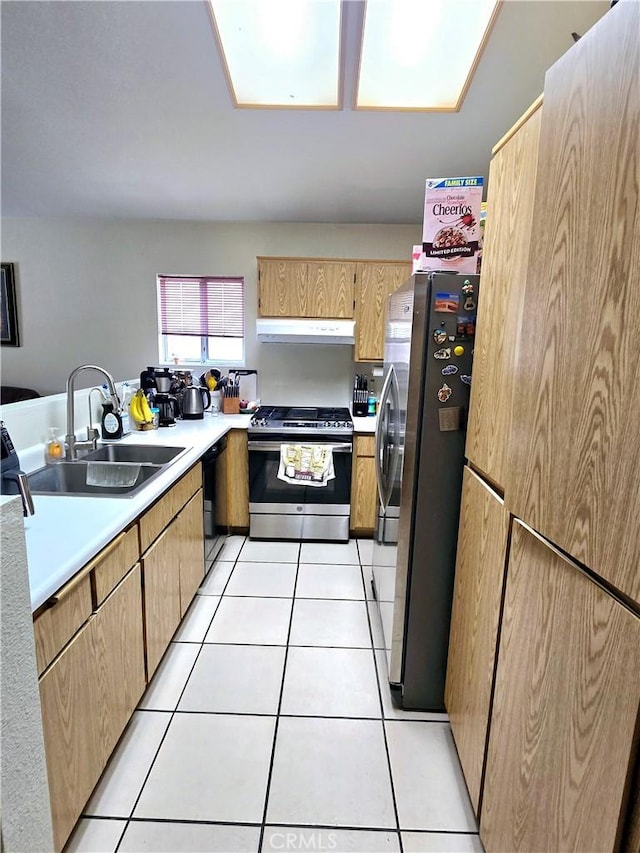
column 70, row 478
column 141, row 454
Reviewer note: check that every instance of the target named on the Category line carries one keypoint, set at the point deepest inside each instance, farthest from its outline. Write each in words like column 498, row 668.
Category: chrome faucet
column 72, row 445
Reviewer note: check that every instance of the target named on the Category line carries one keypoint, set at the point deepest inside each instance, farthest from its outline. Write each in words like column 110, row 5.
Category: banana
column 145, row 411
column 134, row 409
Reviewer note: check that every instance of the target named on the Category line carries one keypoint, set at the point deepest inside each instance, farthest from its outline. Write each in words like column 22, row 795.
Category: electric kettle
column 193, row 403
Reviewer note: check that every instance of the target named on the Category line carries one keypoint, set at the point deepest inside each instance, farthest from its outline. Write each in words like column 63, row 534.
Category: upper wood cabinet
column 477, row 597
column 295, row 287
column 575, row 458
column 512, row 178
column 566, row 708
column 375, row 282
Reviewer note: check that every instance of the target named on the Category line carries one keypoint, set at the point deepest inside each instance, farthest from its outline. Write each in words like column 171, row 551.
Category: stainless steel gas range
column 286, row 510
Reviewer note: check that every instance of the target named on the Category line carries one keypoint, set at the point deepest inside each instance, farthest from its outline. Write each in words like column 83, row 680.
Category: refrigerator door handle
column 381, row 448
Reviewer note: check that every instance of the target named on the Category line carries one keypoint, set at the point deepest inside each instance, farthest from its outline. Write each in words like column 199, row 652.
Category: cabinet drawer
column 365, row 445
column 158, row 517
column 114, row 562
column 54, row 627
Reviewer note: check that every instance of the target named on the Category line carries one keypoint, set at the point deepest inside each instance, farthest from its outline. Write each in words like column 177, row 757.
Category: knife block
column 360, row 410
column 230, row 405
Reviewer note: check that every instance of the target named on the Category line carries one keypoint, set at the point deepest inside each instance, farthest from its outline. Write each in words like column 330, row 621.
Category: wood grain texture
column 282, row 287
column 190, row 528
column 512, row 178
column 330, row 289
column 161, row 574
column 364, row 495
column 110, row 570
column 375, row 281
column 155, row 519
column 55, row 626
column 237, row 461
column 575, row 464
column 477, row 597
column 565, row 711
column 631, row 839
column 364, row 445
column 87, row 697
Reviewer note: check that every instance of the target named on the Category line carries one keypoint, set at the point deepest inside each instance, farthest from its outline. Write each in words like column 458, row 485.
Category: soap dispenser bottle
column 111, row 424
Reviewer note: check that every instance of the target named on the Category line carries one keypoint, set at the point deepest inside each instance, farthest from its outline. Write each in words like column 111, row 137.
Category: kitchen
column 270, row 251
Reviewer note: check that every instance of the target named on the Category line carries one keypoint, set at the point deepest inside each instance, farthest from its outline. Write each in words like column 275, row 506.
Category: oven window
column 265, row 487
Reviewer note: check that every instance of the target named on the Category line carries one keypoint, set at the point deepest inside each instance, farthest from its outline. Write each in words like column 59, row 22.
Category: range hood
column 306, row 331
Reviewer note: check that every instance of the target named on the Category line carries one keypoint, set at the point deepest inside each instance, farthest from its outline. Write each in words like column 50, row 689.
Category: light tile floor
column 269, row 725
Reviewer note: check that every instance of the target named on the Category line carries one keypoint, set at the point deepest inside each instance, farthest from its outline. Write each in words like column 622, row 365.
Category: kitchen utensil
column 193, row 402
column 112, row 474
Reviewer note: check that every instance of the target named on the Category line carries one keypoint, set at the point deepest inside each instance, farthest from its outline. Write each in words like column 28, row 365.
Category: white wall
column 86, row 293
column 26, row 815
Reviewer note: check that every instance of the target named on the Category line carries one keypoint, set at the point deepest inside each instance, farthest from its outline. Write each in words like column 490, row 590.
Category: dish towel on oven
column 311, row 464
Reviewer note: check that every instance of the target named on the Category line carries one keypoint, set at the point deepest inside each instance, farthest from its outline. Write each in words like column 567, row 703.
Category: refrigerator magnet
column 449, row 370
column 444, row 393
column 466, row 379
column 442, row 354
column 440, row 336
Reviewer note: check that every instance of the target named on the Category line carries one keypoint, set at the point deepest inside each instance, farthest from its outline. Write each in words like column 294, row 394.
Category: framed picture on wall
column 9, row 335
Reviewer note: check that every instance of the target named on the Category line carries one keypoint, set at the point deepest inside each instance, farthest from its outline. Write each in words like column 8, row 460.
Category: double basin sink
column 111, row 471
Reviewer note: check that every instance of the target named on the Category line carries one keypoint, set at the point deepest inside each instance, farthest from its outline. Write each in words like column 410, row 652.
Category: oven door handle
column 274, row 446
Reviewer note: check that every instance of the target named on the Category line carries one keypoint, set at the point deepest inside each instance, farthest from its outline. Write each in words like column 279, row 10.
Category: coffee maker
column 164, row 400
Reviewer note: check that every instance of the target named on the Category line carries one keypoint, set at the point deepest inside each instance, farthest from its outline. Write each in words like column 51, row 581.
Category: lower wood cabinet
column 88, row 695
column 161, row 573
column 364, row 489
column 190, row 534
column 477, row 597
column 232, row 483
column 563, row 733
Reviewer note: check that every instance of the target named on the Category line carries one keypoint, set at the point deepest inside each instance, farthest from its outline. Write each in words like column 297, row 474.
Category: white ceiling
column 121, row 109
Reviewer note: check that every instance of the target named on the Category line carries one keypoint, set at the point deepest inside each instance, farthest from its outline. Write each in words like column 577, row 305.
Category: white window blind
column 201, row 305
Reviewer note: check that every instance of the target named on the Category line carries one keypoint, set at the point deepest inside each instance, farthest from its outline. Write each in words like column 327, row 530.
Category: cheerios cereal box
column 451, row 226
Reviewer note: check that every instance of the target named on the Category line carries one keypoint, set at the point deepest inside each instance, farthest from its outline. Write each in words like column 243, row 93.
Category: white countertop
column 67, row 531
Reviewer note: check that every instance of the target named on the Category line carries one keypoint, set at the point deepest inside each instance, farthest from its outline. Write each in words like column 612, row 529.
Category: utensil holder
column 231, row 405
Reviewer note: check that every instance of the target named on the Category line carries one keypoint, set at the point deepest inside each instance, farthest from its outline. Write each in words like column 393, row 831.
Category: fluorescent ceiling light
column 280, row 53
column 421, row 54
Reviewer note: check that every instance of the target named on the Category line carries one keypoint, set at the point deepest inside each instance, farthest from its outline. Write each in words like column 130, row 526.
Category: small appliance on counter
column 13, row 481
column 194, row 400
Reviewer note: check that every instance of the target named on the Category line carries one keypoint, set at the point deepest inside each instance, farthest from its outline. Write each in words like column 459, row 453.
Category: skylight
column 421, row 54
column 280, row 53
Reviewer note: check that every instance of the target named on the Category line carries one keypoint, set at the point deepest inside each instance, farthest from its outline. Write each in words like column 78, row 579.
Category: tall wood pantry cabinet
column 555, row 408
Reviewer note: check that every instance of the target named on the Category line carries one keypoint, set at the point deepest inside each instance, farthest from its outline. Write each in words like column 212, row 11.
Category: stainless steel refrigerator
column 420, row 439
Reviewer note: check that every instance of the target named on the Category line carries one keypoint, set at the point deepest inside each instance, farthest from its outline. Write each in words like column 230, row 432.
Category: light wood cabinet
column 477, row 598
column 509, row 229
column 562, row 741
column 62, row 616
column 190, row 532
column 575, row 462
column 87, row 696
column 161, row 573
column 375, row 282
column 364, row 489
column 296, row 287
column 232, row 483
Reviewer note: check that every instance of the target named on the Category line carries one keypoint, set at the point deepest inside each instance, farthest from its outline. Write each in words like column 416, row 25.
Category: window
column 201, row 319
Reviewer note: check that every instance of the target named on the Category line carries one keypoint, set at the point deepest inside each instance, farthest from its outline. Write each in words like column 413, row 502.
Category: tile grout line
column 382, row 717
column 275, row 728
column 173, row 713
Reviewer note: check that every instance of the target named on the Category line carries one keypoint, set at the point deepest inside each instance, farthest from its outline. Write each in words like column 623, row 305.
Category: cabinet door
column 237, row 484
column 364, row 489
column 190, row 531
column 161, row 572
column 88, row 695
column 575, row 463
column 330, row 289
column 374, row 283
column 505, row 255
column 565, row 711
column 477, row 596
column 282, row 288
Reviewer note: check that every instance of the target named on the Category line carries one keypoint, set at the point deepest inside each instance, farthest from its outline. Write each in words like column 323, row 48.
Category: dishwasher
column 214, row 534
